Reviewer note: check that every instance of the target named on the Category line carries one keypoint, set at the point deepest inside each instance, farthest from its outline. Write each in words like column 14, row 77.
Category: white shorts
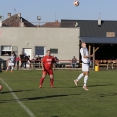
column 85, row 67
column 10, row 64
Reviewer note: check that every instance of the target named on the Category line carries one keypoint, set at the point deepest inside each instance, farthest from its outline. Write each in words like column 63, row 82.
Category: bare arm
column 88, row 56
column 53, row 66
column 42, row 65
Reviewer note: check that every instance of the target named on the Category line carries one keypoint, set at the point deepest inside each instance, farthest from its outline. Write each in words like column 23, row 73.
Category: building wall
column 64, row 39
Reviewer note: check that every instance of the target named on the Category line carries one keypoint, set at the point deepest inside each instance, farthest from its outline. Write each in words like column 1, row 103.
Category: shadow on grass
column 54, row 116
column 111, row 94
column 5, row 92
column 99, row 85
column 45, row 97
column 2, row 102
column 35, row 98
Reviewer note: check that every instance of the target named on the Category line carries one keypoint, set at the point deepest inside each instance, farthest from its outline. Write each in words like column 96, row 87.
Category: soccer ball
column 0, row 87
column 76, row 3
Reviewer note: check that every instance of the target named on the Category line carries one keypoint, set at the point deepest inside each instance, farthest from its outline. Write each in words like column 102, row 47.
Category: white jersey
column 11, row 59
column 84, row 52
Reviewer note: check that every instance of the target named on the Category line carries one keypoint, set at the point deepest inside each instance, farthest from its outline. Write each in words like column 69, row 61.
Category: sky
column 51, row 10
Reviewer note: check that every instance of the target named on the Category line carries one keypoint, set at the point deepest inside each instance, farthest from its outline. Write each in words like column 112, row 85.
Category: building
column 62, row 38
column 63, row 42
column 16, row 21
column 100, row 34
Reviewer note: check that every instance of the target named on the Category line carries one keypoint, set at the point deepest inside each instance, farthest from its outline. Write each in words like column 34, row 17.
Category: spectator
column 6, row 53
column 23, row 61
column 15, row 58
column 29, row 61
column 17, row 61
column 74, row 61
column 56, row 62
column 38, row 59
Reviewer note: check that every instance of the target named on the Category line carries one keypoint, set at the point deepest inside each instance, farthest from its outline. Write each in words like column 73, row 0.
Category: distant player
column 85, row 65
column 48, row 66
column 10, row 62
column 1, row 87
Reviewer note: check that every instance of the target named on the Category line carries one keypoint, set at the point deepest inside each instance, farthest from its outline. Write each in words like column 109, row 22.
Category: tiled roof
column 52, row 24
column 14, row 21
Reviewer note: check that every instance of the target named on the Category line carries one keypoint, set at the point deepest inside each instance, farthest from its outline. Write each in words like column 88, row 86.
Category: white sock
column 11, row 67
column 7, row 68
column 85, row 80
column 80, row 76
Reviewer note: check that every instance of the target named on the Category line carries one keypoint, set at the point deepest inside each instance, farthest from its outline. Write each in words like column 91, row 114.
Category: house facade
column 63, row 42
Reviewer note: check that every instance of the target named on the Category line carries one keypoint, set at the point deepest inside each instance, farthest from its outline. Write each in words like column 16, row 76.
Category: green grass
column 65, row 100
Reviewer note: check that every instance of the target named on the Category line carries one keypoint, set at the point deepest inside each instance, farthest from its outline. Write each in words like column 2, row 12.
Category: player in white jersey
column 10, row 62
column 85, row 65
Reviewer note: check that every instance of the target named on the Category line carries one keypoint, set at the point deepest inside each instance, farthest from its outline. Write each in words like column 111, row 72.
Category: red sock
column 51, row 82
column 41, row 81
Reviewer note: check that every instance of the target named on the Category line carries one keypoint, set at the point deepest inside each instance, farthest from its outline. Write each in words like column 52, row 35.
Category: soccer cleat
column 85, row 88
column 76, row 83
column 40, row 86
column 6, row 70
column 52, row 86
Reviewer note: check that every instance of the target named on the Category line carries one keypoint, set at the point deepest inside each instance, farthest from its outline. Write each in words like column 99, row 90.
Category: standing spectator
column 74, row 61
column 29, row 61
column 22, row 57
column 56, row 62
column 14, row 58
column 38, row 60
column 17, row 61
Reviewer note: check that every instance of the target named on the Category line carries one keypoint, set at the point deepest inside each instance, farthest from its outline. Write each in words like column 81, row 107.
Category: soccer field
column 21, row 96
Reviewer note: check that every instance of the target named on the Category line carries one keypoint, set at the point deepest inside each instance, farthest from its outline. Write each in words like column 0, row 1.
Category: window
column 54, row 51
column 5, row 50
column 110, row 34
column 39, row 50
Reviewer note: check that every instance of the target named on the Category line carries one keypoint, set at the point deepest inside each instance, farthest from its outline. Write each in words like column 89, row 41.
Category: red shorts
column 49, row 72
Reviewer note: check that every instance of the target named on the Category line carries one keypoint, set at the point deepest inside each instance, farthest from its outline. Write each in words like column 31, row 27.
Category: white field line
column 17, row 99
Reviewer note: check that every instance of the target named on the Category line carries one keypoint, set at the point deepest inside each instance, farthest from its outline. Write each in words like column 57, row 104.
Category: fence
column 107, row 64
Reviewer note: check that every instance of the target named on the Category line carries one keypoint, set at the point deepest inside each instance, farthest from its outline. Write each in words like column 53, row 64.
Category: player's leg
column 1, row 87
column 86, row 77
column 51, row 78
column 42, row 78
column 80, row 76
column 12, row 66
column 8, row 65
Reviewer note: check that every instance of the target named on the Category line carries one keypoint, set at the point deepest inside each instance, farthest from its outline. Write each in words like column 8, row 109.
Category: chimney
column 21, row 24
column 99, row 20
column 9, row 15
column 56, row 21
column 19, row 14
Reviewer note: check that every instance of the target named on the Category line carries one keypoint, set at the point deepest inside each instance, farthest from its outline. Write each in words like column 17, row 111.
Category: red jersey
column 48, row 61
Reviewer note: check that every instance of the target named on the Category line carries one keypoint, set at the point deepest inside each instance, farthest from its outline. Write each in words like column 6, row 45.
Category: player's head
column 83, row 44
column 48, row 52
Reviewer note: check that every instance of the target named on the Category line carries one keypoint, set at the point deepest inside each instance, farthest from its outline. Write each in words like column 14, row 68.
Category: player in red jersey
column 48, row 66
